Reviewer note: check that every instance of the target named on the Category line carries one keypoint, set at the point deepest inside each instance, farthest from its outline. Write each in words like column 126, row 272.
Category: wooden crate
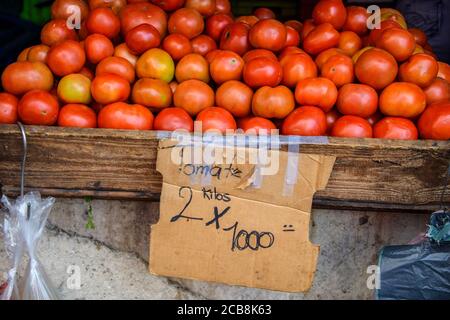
column 368, row 174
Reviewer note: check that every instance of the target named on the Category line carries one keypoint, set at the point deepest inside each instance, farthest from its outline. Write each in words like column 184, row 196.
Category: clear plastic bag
column 24, row 224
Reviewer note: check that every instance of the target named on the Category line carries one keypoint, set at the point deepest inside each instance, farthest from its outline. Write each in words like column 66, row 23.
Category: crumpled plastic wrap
column 24, row 224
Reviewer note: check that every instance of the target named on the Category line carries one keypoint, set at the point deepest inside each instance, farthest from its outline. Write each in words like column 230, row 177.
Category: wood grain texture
column 368, row 174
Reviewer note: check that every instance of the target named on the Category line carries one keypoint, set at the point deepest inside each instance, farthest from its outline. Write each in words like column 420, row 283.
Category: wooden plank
column 368, row 174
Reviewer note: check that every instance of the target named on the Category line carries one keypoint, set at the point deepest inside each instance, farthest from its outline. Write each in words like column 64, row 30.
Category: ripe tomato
column 249, row 20
column 275, row 102
column 227, row 65
column 297, row 25
column 287, row 52
column 21, row 77
column 103, row 21
column 419, row 36
column 177, row 46
column 376, row 33
column 402, row 99
column 292, row 37
column 332, row 117
column 398, row 42
column 389, row 14
column 268, row 34
column 210, row 56
column 235, row 37
column 123, row 51
column 376, row 68
column 74, row 88
column 171, row 119
column 356, row 56
column 152, row 93
column 297, row 67
column 204, row 7
column 115, row 5
column 356, row 20
column 305, row 121
column 435, row 122
column 257, row 126
column 38, row 107
column 357, row 100
column 135, row 14
column 63, row 9
column 260, row 72
column 318, row 92
column 77, row 116
column 23, row 56
column 339, row 69
column 330, row 11
column 124, row 116
column 420, row 69
column 169, row 5
column 142, row 38
column 38, row 53
column 216, row 24
column 438, row 91
column 236, row 97
column 327, row 54
column 98, row 47
column 192, row 66
column 216, row 119
column 322, row 37
column 110, row 88
column 8, row 108
column 350, row 43
column 395, row 128
column 203, row 44
column 56, row 31
column 352, row 127
column 157, row 64
column 264, row 13
column 66, row 57
column 193, row 96
column 308, row 26
column 258, row 53
column 188, row 22
column 444, row 71
column 223, row 6
column 118, row 66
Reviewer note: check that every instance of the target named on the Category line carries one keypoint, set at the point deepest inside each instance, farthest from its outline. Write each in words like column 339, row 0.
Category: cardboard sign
column 223, row 223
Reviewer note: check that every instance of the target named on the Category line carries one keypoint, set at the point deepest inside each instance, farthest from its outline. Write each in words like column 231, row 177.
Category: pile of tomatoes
column 162, row 64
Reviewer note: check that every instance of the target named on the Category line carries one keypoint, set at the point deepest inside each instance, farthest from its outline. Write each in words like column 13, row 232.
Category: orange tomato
column 123, row 116
column 402, row 99
column 357, row 100
column 110, row 88
column 226, row 65
column 192, row 66
column 339, row 69
column 118, row 66
column 349, row 42
column 444, row 71
column 193, row 96
column 318, row 92
column 157, row 64
column 376, row 68
column 216, row 119
column 297, row 67
column 435, row 122
column 20, row 77
column 420, row 69
column 236, row 97
column 275, row 102
column 98, row 47
column 152, row 93
column 327, row 54
column 123, row 51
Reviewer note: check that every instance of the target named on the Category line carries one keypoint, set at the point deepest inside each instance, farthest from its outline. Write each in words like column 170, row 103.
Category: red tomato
column 327, row 54
column 118, row 66
column 235, row 97
column 356, row 20
column 227, row 65
column 376, row 33
column 235, row 37
column 357, row 100
column 193, row 96
column 63, row 9
column 297, row 25
column 215, row 118
column 322, row 37
column 249, row 20
column 216, row 24
column 297, row 67
column 21, row 77
column 305, row 121
column 438, row 91
column 66, row 57
column 123, row 51
column 292, row 37
column 115, row 5
column 395, row 128
column 57, row 31
column 350, row 43
column 398, row 42
column 288, row 51
column 210, row 56
column 419, row 36
column 376, row 68
column 124, row 116
column 8, row 108
column 257, row 126
column 435, row 122
column 402, row 99
column 188, row 22
column 258, row 53
column 38, row 107
column 98, row 47
column 339, row 69
column 135, row 14
column 177, row 45
column 110, row 88
column 205, row 7
column 332, row 117
column 38, row 53
column 275, row 102
column 142, row 38
column 103, row 21
column 192, row 66
column 169, row 5
column 77, row 116
column 352, row 127
column 264, row 13
column 172, row 119
column 420, row 69
column 203, row 44
column 319, row 92
column 268, row 34
column 444, row 71
column 223, row 6
column 330, row 11
column 308, row 26
column 260, row 72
